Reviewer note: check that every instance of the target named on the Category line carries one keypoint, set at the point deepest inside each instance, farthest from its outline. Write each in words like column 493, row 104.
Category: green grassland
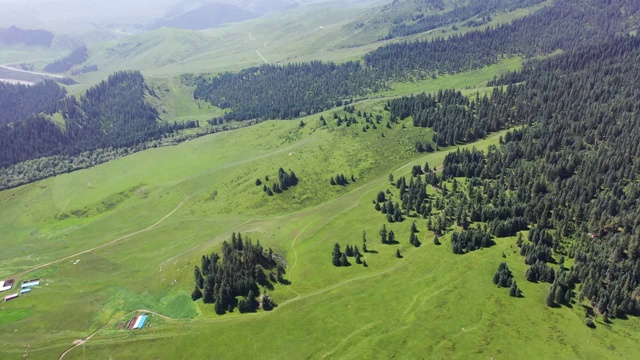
column 303, row 34
column 138, row 225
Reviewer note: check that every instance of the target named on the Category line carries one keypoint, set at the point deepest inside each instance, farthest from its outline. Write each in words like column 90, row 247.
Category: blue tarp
column 143, row 318
column 31, row 283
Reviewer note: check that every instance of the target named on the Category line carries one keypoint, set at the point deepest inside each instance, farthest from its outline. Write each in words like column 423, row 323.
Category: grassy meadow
column 123, row 237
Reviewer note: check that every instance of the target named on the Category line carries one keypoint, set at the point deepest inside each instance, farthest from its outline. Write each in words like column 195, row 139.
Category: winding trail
column 120, row 239
column 295, row 255
column 81, row 342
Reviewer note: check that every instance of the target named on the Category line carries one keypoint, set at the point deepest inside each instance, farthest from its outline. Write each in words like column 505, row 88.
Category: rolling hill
column 468, row 191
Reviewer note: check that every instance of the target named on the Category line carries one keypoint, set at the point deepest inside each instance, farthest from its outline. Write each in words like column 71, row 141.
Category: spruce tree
column 196, row 294
column 513, row 290
column 336, row 255
column 383, row 234
column 343, row 260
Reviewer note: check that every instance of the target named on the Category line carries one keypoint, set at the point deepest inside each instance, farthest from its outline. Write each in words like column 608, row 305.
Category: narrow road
column 125, row 237
column 31, row 72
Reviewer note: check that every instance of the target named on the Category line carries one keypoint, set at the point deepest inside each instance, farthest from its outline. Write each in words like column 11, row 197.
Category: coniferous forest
column 287, row 91
column 568, row 174
column 113, row 114
column 75, row 57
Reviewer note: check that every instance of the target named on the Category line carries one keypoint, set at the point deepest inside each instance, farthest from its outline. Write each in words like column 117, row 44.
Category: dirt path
column 265, row 60
column 31, row 72
column 125, row 237
column 295, row 254
column 78, row 343
column 84, row 341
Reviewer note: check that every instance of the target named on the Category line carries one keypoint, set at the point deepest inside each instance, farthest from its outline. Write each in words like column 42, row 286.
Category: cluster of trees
column 503, row 276
column 570, row 172
column 470, row 240
column 340, row 179
column 454, row 117
column 413, row 238
column 415, row 201
column 242, row 269
column 20, row 102
column 478, row 8
column 387, row 237
column 285, row 181
column 561, row 291
column 75, row 57
column 340, row 258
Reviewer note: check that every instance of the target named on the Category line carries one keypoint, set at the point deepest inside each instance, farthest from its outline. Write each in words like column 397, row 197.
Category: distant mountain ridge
column 204, row 16
column 17, row 36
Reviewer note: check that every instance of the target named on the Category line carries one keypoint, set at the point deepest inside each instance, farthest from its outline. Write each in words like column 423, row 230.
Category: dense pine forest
column 481, row 9
column 19, row 102
column 569, row 175
column 287, row 91
column 76, row 57
column 113, row 114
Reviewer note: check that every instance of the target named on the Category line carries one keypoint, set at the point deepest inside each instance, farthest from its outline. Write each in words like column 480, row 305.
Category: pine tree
column 196, row 294
column 383, row 234
column 343, row 260
column 219, row 308
column 513, row 290
column 336, row 255
column 364, row 241
column 398, row 255
column 198, row 277
column 550, row 298
column 392, row 237
column 436, row 240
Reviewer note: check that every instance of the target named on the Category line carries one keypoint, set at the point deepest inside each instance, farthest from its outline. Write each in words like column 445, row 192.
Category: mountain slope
column 204, row 17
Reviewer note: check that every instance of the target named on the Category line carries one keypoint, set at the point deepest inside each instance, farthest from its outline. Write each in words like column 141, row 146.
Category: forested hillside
column 481, row 9
column 75, row 57
column 18, row 102
column 283, row 92
column 112, row 114
column 268, row 91
column 571, row 173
